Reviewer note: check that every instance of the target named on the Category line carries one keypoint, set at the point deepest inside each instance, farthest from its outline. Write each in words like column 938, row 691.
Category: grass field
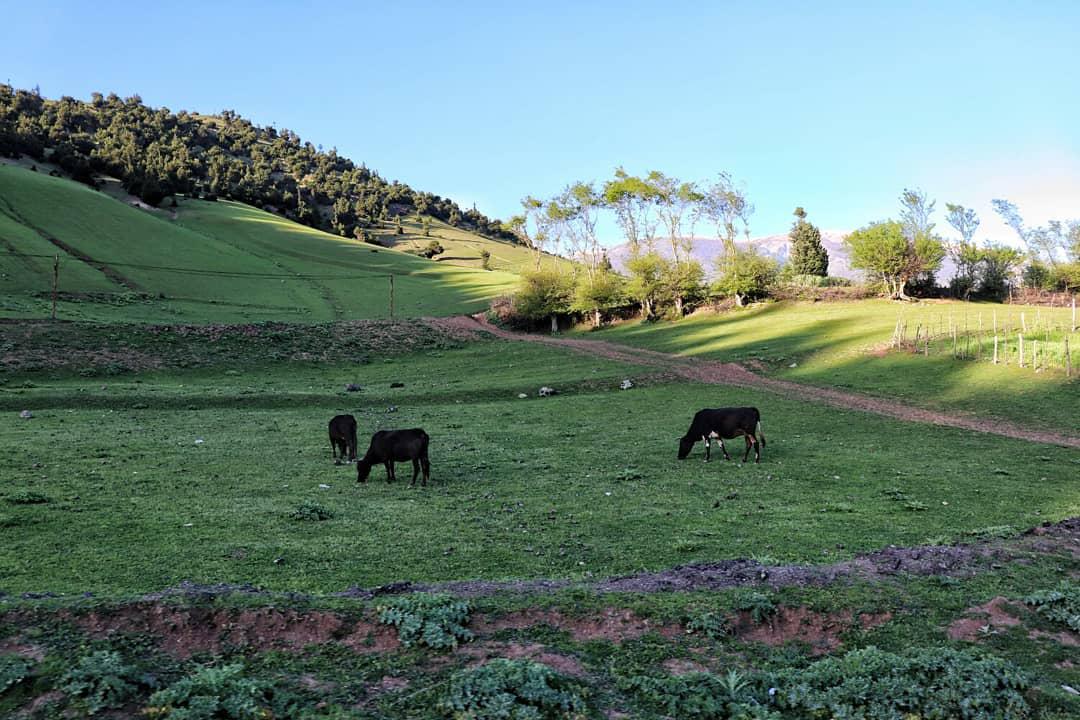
column 216, row 262
column 846, row 345
column 585, row 482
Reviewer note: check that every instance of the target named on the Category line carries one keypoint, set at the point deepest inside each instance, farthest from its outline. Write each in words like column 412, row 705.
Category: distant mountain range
column 778, row 247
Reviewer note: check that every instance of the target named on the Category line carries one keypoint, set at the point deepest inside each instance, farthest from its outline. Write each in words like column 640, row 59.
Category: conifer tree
column 808, row 255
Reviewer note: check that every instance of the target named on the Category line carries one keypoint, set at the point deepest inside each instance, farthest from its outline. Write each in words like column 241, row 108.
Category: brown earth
column 821, row 631
column 992, row 616
column 718, row 373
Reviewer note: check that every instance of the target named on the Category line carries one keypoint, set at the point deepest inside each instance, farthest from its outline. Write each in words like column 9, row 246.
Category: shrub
column 216, row 693
column 1061, row 605
column 310, row 512
column 485, row 259
column 513, row 689
column 759, row 605
column 435, row 620
column 748, row 276
column 100, row 681
column 701, row 695
column 713, row 625
column 931, row 683
column 862, row 684
column 13, row 670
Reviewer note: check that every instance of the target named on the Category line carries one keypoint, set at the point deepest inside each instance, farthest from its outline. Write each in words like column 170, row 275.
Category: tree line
column 653, row 211
column 906, row 253
column 156, row 153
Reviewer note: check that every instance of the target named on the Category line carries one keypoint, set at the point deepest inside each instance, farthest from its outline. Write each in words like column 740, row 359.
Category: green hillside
column 206, row 262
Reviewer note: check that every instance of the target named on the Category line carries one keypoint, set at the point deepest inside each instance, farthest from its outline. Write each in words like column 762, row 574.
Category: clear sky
column 835, row 106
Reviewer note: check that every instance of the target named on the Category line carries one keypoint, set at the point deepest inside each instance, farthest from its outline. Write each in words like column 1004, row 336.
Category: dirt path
column 718, row 373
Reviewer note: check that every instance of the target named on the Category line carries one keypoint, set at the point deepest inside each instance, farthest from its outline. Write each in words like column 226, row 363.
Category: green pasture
column 205, row 262
column 849, row 345
column 123, row 484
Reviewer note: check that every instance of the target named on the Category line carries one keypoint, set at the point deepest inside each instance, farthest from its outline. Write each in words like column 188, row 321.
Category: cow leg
column 723, row 448
column 749, row 442
column 708, row 446
column 415, row 471
column 389, row 470
column 757, row 449
column 426, row 465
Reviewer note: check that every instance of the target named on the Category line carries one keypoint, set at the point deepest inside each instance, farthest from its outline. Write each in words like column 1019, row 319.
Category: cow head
column 363, row 469
column 686, row 444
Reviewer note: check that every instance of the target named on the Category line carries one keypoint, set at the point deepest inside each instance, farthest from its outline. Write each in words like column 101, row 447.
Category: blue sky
column 835, row 106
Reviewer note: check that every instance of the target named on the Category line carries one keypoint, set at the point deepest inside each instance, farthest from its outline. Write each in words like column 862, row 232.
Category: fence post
column 55, row 282
column 995, row 349
column 1021, row 349
column 1068, row 358
column 1074, row 314
column 1035, row 356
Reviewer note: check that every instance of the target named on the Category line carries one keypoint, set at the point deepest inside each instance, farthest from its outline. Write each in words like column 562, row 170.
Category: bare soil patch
column 821, row 631
column 993, row 615
column 717, row 373
column 613, row 624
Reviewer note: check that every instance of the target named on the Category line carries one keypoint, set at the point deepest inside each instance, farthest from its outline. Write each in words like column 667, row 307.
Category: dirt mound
column 184, row 631
column 614, row 624
column 985, row 618
column 821, row 631
column 711, row 372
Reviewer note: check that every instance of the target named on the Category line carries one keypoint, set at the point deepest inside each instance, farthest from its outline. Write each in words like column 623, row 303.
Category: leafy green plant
column 628, row 474
column 1060, row 605
column 701, row 695
column 100, row 681
column 28, row 497
column 435, row 620
column 929, row 683
column 514, row 690
column 994, row 532
column 713, row 625
column 216, row 693
column 759, row 605
column 311, row 512
column 13, row 670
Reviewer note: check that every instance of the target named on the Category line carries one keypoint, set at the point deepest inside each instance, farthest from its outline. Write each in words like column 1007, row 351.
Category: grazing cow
column 391, row 446
column 343, row 438
column 724, row 423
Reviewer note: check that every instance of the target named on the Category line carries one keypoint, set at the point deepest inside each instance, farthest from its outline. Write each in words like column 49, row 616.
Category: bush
column 748, row 277
column 931, row 683
column 435, row 620
column 310, row 512
column 214, row 693
column 13, row 670
column 864, row 684
column 1061, row 605
column 100, row 681
column 702, row 695
column 485, row 259
column 512, row 689
column 713, row 625
column 759, row 605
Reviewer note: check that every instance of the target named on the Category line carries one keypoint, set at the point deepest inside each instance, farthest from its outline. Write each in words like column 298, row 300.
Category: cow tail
column 760, row 433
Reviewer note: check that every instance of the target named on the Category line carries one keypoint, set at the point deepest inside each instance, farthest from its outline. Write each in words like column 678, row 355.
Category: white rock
column 522, row 395
column 199, row 441
column 324, row 487
column 793, row 365
column 26, row 414
column 626, row 384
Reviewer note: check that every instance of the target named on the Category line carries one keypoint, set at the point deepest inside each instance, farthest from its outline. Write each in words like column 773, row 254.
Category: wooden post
column 953, row 339
column 1068, row 358
column 995, row 349
column 391, row 297
column 995, row 322
column 55, row 282
column 1020, row 350
column 918, row 330
column 1023, row 323
column 1035, row 356
column 1074, row 314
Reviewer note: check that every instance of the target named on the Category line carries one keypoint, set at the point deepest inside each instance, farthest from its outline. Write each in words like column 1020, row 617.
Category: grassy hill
column 210, row 262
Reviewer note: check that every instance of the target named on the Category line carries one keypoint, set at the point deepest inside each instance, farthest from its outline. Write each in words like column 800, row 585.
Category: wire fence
column 1038, row 341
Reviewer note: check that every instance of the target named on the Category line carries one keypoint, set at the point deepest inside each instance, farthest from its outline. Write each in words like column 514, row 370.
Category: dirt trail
column 718, row 373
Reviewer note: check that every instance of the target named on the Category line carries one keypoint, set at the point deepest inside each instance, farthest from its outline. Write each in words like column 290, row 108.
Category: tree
column 682, row 283
column 633, row 201
column 746, row 277
column 882, row 250
column 544, row 294
column 577, row 209
column 646, row 280
column 808, row 255
column 964, row 253
column 726, row 205
column 1047, row 244
column 997, row 264
column 602, row 292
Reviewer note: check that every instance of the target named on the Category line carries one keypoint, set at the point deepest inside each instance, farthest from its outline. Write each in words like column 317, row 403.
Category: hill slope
column 204, row 262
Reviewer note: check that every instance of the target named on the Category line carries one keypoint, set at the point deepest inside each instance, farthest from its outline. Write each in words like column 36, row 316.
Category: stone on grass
column 352, row 387
column 547, row 392
column 626, row 384
column 26, row 414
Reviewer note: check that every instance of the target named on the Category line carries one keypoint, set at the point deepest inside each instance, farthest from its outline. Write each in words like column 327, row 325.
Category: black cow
column 724, row 423
column 343, row 438
column 391, row 446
